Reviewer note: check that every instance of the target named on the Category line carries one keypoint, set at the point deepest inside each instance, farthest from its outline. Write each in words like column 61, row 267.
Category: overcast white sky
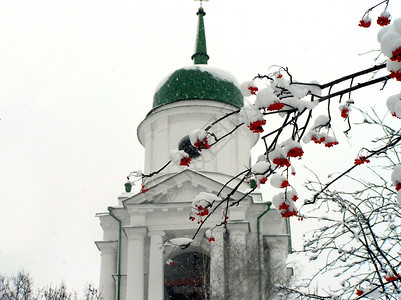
column 77, row 77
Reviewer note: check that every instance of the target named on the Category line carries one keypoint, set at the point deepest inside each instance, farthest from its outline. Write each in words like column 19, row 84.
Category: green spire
column 200, row 57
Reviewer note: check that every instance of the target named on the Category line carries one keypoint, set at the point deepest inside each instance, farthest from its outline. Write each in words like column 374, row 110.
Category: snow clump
column 389, row 38
column 180, row 157
column 394, row 105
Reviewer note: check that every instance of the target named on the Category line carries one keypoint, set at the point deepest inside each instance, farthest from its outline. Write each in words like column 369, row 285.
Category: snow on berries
column 284, row 151
column 248, row 88
column 170, row 262
column 266, row 99
column 293, row 148
column 252, row 118
column 285, row 205
column 396, row 177
column 201, row 205
column 384, row 19
column 344, row 109
column 279, row 157
column 279, row 181
column 365, row 22
column 259, row 169
column 199, row 139
column 317, row 138
column 389, row 38
column 394, row 105
column 180, row 157
column 330, row 141
column 315, row 134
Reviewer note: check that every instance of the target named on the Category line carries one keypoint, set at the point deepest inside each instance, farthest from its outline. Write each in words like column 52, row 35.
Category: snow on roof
column 217, row 73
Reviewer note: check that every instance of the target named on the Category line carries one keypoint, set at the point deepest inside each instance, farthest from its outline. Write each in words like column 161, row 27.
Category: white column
column 237, row 261
column 217, row 265
column 275, row 262
column 156, row 266
column 135, row 262
column 108, row 268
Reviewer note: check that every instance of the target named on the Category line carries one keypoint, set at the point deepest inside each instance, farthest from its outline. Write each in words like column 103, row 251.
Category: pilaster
column 135, row 262
column 108, row 267
column 156, row 266
column 237, row 260
column 217, row 273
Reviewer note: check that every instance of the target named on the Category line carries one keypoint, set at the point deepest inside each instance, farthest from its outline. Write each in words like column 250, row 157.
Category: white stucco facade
column 150, row 219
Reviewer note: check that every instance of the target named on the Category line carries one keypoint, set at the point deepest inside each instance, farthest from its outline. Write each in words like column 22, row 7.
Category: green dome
column 198, row 82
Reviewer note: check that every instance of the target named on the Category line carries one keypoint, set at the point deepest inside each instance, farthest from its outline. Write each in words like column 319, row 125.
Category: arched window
column 188, row 278
column 185, row 144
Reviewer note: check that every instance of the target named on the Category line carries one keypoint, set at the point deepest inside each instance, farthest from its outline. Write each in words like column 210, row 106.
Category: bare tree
column 20, row 287
column 17, row 287
column 359, row 244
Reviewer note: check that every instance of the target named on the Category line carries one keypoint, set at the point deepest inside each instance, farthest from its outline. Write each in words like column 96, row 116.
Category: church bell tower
column 141, row 254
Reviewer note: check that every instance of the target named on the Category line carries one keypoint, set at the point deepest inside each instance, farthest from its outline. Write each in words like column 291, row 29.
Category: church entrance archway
column 188, row 278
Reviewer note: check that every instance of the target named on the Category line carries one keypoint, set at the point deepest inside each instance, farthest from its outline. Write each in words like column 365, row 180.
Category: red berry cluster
column 281, row 161
column 361, row 160
column 185, row 161
column 398, row 186
column 318, row 139
column 275, row 106
column 396, row 55
column 144, row 189
column 344, row 113
column 295, row 152
column 253, row 89
column 202, row 144
column 331, row 144
column 396, row 75
column 365, row 23
column 200, row 211
column 392, row 277
column 284, row 184
column 263, row 180
column 383, row 21
column 256, row 127
column 287, row 213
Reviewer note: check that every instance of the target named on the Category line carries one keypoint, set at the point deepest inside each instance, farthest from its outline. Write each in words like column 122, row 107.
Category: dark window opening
column 188, row 278
column 185, row 144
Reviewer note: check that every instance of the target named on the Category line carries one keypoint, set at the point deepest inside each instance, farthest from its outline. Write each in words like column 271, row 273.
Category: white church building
column 248, row 253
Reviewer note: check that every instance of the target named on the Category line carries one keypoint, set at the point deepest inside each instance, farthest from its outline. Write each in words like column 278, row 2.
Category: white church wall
column 161, row 132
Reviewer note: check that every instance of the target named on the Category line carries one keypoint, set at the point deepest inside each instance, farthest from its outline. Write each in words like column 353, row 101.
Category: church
column 142, row 257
